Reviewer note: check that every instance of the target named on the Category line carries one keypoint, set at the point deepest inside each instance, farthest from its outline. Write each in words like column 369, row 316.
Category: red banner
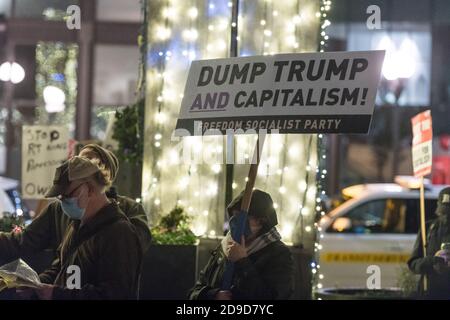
column 422, row 143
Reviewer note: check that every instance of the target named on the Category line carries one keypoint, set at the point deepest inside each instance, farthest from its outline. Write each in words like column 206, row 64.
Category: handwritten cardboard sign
column 44, row 148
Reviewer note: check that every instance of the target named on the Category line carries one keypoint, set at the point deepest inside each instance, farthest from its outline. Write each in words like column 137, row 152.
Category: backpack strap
column 75, row 246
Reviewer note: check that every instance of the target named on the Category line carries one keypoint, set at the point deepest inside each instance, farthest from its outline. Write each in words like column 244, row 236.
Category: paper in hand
column 18, row 274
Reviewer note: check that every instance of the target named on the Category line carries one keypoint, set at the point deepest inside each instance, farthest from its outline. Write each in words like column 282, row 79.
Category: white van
column 377, row 225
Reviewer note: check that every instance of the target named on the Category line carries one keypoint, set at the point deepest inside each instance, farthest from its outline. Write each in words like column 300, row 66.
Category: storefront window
column 56, row 83
column 102, row 125
column 119, row 10
column 408, row 56
column 46, row 10
column 115, row 74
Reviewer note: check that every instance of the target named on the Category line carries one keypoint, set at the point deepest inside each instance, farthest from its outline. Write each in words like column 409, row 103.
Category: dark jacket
column 107, row 251
column 48, row 229
column 265, row 274
column 438, row 231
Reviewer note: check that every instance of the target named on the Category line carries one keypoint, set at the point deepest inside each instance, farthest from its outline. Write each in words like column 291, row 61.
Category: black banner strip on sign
column 284, row 124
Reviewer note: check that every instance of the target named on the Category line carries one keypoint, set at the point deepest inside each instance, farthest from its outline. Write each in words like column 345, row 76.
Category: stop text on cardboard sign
column 284, row 71
column 43, row 149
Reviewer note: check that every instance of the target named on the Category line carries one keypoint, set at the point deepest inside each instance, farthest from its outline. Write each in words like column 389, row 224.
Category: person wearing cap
column 133, row 210
column 263, row 263
column 435, row 265
column 46, row 231
column 100, row 240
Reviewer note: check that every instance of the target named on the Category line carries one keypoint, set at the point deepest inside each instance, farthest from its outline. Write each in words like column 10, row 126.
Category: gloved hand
column 440, row 265
column 444, row 254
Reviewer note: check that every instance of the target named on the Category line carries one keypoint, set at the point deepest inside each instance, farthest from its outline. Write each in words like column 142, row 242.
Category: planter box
column 302, row 274
column 205, row 247
column 169, row 271
column 360, row 294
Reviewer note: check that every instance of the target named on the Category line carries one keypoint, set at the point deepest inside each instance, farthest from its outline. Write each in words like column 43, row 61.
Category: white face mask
column 71, row 209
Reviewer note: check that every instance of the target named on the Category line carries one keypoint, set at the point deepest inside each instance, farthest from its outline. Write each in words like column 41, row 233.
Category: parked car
column 10, row 199
column 376, row 225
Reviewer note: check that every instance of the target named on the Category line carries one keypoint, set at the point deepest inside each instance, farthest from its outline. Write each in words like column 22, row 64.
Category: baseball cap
column 73, row 169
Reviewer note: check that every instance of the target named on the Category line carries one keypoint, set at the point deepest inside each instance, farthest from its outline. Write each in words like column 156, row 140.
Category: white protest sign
column 331, row 92
column 422, row 144
column 44, row 148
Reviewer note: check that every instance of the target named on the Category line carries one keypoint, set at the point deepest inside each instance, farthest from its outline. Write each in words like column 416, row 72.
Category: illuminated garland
column 321, row 155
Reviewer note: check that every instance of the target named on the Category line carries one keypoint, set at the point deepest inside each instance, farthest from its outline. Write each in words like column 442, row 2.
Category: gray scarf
column 259, row 243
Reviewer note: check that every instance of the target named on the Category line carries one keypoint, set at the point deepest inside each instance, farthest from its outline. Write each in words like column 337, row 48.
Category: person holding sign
column 47, row 230
column 436, row 264
column 263, row 263
column 100, row 243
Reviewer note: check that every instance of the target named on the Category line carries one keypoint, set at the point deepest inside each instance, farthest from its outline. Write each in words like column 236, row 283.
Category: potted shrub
column 11, row 222
column 129, row 133
column 170, row 264
column 360, row 294
column 408, row 283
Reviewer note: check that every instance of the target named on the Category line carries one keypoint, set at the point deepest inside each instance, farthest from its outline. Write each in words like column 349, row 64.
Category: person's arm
column 419, row 264
column 50, row 274
column 202, row 289
column 118, row 267
column 137, row 216
column 276, row 283
column 34, row 238
column 139, row 219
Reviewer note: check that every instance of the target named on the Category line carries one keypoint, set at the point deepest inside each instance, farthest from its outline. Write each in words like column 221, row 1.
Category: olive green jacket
column 107, row 252
column 48, row 229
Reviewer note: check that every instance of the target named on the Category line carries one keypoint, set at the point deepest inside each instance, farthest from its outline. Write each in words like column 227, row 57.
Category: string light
column 216, row 168
column 325, row 6
column 163, row 33
column 193, row 12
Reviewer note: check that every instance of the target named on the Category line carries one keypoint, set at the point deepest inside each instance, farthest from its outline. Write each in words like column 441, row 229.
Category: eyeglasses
column 70, row 195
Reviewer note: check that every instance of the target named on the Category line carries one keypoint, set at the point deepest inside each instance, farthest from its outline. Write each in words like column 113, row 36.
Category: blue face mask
column 71, row 209
column 239, row 226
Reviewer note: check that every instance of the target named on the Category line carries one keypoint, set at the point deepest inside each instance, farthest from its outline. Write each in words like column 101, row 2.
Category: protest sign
column 44, row 148
column 422, row 143
column 331, row 92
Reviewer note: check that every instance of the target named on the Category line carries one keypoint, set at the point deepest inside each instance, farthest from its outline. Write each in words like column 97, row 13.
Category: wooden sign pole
column 253, row 171
column 423, row 228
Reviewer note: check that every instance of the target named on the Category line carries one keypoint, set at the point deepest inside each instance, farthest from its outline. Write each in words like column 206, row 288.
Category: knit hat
column 261, row 206
column 443, row 205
